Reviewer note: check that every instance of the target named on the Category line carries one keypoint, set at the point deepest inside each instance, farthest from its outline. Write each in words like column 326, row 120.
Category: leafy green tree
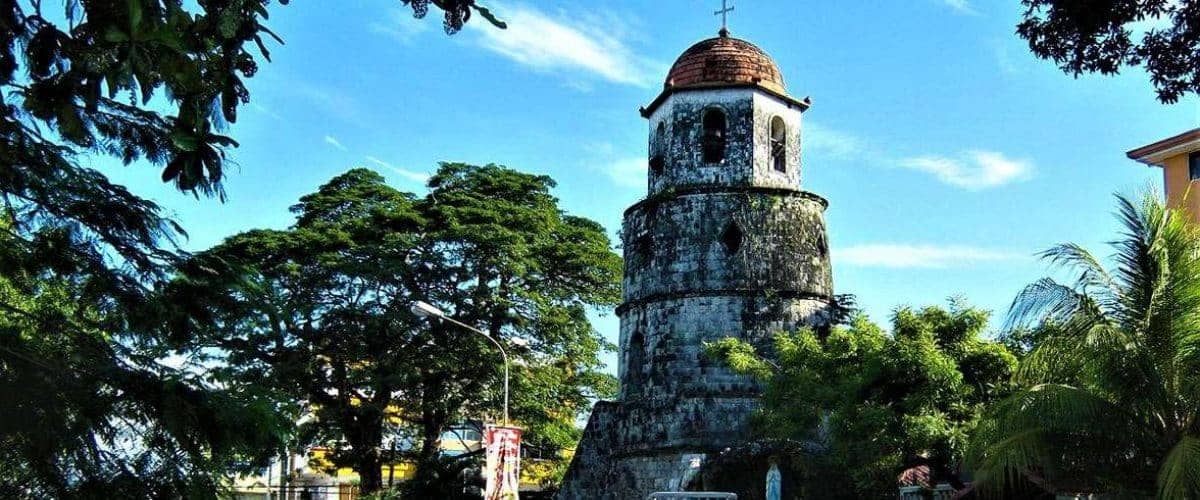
column 1111, row 391
column 322, row 311
column 880, row 404
column 87, row 406
column 1101, row 37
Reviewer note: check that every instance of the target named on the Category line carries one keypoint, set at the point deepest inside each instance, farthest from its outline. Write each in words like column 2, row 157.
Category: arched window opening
column 658, row 149
column 779, row 144
column 713, row 142
column 732, row 238
column 657, row 164
column 643, row 247
column 635, row 360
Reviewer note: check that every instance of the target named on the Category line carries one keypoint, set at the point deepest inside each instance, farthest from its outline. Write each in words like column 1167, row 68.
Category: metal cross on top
column 724, row 13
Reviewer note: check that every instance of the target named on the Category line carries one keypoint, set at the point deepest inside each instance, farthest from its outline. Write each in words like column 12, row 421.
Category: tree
column 86, row 407
column 880, row 404
column 456, row 12
column 322, row 310
column 83, row 258
column 1101, row 37
column 1111, row 396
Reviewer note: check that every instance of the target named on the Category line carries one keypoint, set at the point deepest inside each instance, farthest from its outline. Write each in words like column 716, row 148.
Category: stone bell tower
column 725, row 244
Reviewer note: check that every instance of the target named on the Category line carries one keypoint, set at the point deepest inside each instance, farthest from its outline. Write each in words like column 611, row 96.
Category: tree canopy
column 880, row 404
column 1110, row 393
column 88, row 405
column 1085, row 36
column 322, row 311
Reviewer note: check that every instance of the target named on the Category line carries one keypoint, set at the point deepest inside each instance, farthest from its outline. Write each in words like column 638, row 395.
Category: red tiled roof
column 725, row 60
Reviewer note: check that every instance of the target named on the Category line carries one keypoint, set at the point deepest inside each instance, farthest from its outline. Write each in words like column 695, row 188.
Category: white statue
column 774, row 480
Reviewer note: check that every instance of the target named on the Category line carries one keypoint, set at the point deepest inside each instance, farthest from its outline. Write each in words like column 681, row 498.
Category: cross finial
column 724, row 13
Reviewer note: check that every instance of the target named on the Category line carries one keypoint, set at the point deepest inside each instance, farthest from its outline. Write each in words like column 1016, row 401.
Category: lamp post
column 426, row 310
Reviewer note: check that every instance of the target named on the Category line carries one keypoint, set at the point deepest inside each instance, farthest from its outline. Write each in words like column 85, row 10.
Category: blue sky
column 948, row 153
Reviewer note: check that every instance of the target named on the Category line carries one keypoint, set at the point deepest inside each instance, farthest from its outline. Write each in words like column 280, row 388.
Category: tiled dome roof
column 725, row 60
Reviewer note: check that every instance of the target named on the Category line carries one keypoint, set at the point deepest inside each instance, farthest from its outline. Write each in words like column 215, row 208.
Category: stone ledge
column 737, row 292
column 682, row 191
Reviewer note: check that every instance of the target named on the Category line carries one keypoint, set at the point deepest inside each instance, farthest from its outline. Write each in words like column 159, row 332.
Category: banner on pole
column 503, row 467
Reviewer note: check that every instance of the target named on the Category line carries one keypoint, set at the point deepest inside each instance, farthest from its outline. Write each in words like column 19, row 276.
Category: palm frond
column 1046, row 301
column 1092, row 275
column 1179, row 475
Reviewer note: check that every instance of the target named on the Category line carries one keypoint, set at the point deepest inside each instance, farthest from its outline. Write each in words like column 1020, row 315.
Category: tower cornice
column 718, row 189
column 792, row 102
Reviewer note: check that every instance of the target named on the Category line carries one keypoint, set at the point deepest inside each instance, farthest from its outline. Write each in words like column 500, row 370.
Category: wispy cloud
column 973, row 170
column 265, row 110
column 961, row 6
column 557, row 43
column 332, row 141
column 411, row 175
column 628, row 172
column 902, row 256
column 330, row 101
column 830, row 143
column 1004, row 57
column 401, row 26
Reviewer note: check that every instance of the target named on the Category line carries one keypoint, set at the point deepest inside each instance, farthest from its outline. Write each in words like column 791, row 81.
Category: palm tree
column 1111, row 394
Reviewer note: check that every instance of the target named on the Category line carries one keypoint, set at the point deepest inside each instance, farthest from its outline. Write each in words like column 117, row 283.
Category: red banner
column 503, row 467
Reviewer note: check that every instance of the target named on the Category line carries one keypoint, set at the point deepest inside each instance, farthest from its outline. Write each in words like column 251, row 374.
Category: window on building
column 732, row 237
column 657, row 164
column 779, row 144
column 643, row 246
column 713, row 141
column 635, row 359
column 658, row 149
column 1194, row 166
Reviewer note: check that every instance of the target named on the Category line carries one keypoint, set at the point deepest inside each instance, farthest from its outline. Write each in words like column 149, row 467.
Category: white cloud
column 332, row 141
column 628, row 172
column 901, row 256
column 557, row 43
column 404, row 172
column 330, row 101
column 265, row 110
column 973, row 170
column 1004, row 58
column 961, row 6
column 831, row 143
column 401, row 25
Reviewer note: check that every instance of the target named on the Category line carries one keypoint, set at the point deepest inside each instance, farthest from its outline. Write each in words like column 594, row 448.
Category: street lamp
column 426, row 310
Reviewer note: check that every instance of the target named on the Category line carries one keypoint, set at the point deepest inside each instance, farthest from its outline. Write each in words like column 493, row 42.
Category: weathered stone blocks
column 725, row 245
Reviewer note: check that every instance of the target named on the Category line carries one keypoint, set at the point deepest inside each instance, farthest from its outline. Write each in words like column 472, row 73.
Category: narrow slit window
column 635, row 359
column 1194, row 166
column 731, row 238
column 713, row 146
column 779, row 144
column 658, row 149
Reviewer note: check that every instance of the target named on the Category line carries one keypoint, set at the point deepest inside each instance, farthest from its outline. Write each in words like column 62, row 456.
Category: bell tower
column 724, row 118
column 726, row 244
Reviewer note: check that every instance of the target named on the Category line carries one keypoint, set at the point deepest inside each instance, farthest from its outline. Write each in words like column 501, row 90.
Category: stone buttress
column 726, row 244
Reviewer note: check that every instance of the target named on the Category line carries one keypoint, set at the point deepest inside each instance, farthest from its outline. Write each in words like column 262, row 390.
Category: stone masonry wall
column 676, row 128
column 729, row 248
column 630, row 450
column 663, row 342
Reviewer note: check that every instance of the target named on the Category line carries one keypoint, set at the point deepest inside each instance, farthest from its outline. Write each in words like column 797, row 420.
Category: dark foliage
column 322, row 312
column 87, row 408
column 1102, row 36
